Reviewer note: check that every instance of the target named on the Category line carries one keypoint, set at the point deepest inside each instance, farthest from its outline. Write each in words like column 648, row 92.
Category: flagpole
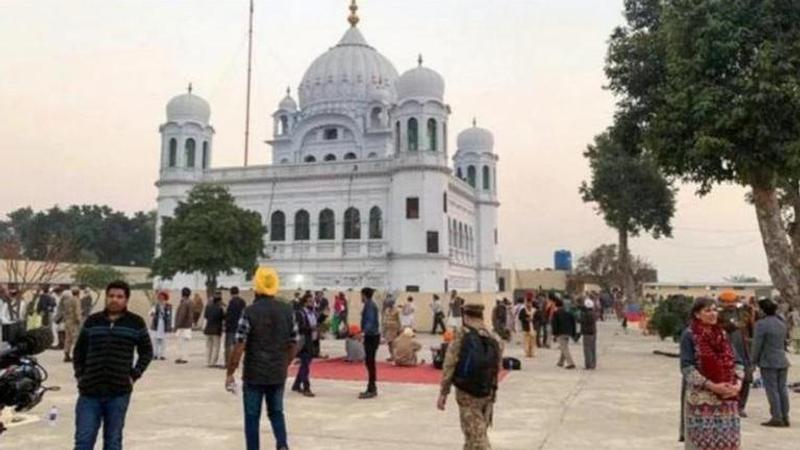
column 249, row 76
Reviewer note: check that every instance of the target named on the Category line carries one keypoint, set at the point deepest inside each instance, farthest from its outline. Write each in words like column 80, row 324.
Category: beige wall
column 705, row 291
column 533, row 279
column 140, row 303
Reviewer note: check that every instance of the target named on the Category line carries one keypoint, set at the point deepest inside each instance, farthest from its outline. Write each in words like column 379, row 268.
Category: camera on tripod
column 21, row 375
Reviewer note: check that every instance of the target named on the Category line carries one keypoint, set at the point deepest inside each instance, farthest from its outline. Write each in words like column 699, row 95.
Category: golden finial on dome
column 474, row 122
column 419, row 59
column 353, row 19
column 189, row 89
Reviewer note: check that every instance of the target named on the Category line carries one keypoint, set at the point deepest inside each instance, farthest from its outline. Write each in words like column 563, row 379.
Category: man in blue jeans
column 267, row 336
column 105, row 369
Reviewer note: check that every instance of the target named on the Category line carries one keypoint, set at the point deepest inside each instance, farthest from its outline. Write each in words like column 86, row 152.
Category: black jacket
column 270, row 332
column 564, row 323
column 214, row 316
column 588, row 322
column 103, row 359
column 235, row 309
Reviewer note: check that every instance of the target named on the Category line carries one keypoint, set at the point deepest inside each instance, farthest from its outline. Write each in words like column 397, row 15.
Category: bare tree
column 26, row 273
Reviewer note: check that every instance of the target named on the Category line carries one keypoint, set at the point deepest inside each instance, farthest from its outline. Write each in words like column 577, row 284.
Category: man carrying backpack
column 472, row 364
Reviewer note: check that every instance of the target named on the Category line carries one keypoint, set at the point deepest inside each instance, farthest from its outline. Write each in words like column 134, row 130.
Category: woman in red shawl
column 711, row 382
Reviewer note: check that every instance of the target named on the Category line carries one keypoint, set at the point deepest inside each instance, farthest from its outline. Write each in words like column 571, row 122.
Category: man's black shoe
column 773, row 423
column 367, row 395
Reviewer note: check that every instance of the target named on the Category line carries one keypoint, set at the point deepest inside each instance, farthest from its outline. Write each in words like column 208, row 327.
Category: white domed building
column 361, row 189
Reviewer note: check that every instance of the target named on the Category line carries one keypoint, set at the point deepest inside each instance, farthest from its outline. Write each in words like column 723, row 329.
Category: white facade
column 360, row 191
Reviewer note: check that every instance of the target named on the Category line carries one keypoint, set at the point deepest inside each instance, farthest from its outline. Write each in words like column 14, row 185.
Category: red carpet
column 339, row 369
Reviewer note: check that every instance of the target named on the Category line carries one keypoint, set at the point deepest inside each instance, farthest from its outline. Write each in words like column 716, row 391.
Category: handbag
column 34, row 321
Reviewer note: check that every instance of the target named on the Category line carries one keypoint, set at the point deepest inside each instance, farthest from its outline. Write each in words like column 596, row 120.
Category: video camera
column 21, row 375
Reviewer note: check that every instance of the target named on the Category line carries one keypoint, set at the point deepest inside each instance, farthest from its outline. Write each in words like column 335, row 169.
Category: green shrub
column 671, row 316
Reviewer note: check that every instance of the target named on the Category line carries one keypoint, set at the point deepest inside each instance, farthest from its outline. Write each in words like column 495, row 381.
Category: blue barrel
column 563, row 260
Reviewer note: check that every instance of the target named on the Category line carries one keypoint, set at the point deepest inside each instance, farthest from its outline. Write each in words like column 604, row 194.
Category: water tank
column 563, row 260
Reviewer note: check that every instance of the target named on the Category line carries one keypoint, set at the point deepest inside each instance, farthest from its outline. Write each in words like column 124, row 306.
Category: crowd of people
column 540, row 319
column 727, row 343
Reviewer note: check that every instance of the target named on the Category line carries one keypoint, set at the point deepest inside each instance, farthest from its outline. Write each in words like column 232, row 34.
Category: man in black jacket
column 234, row 312
column 214, row 315
column 267, row 336
column 105, row 370
column 589, row 334
column 563, row 329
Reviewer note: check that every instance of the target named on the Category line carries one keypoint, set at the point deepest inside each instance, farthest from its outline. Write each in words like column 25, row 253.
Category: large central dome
column 350, row 71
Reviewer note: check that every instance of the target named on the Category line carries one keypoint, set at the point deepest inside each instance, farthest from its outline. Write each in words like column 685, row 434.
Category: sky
column 83, row 87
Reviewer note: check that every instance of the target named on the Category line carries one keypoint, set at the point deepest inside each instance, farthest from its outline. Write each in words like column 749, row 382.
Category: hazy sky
column 83, row 87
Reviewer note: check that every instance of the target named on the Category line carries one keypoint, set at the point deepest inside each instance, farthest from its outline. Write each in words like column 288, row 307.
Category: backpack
column 476, row 372
column 512, row 364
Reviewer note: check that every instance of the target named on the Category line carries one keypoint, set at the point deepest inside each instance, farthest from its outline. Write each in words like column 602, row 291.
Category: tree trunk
column 211, row 286
column 793, row 196
column 776, row 244
column 628, row 283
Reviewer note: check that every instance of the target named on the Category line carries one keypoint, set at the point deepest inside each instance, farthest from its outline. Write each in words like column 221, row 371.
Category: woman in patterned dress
column 712, row 380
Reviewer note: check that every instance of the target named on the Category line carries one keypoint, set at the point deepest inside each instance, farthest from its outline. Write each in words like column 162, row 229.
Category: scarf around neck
column 714, row 354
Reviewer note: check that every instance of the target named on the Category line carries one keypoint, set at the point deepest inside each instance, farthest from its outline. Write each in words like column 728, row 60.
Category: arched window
column 284, row 126
column 352, row 224
column 330, row 157
column 413, row 135
column 460, row 235
column 494, row 179
column 302, row 226
column 450, row 233
column 375, row 223
column 372, row 155
column 375, row 118
column 444, row 136
column 350, row 155
column 277, row 227
column 285, row 161
column 471, row 175
column 432, row 138
column 486, row 181
column 327, row 225
column 310, row 159
column 205, row 155
column 459, row 174
column 173, row 152
column 190, row 147
column 397, row 136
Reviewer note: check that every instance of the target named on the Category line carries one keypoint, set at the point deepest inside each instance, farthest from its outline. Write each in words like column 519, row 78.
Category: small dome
column 188, row 108
column 420, row 82
column 288, row 103
column 476, row 139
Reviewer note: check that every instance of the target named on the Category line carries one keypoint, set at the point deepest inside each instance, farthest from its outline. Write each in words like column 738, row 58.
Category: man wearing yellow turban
column 267, row 336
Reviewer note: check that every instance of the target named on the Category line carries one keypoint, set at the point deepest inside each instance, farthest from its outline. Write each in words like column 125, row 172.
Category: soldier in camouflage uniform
column 71, row 315
column 475, row 412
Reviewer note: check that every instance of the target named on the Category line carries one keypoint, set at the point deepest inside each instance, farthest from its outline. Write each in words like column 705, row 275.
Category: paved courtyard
column 630, row 402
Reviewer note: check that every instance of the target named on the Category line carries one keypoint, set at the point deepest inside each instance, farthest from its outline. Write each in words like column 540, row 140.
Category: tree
column 98, row 233
column 630, row 192
column 721, row 102
column 211, row 235
column 601, row 265
column 25, row 272
column 97, row 277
